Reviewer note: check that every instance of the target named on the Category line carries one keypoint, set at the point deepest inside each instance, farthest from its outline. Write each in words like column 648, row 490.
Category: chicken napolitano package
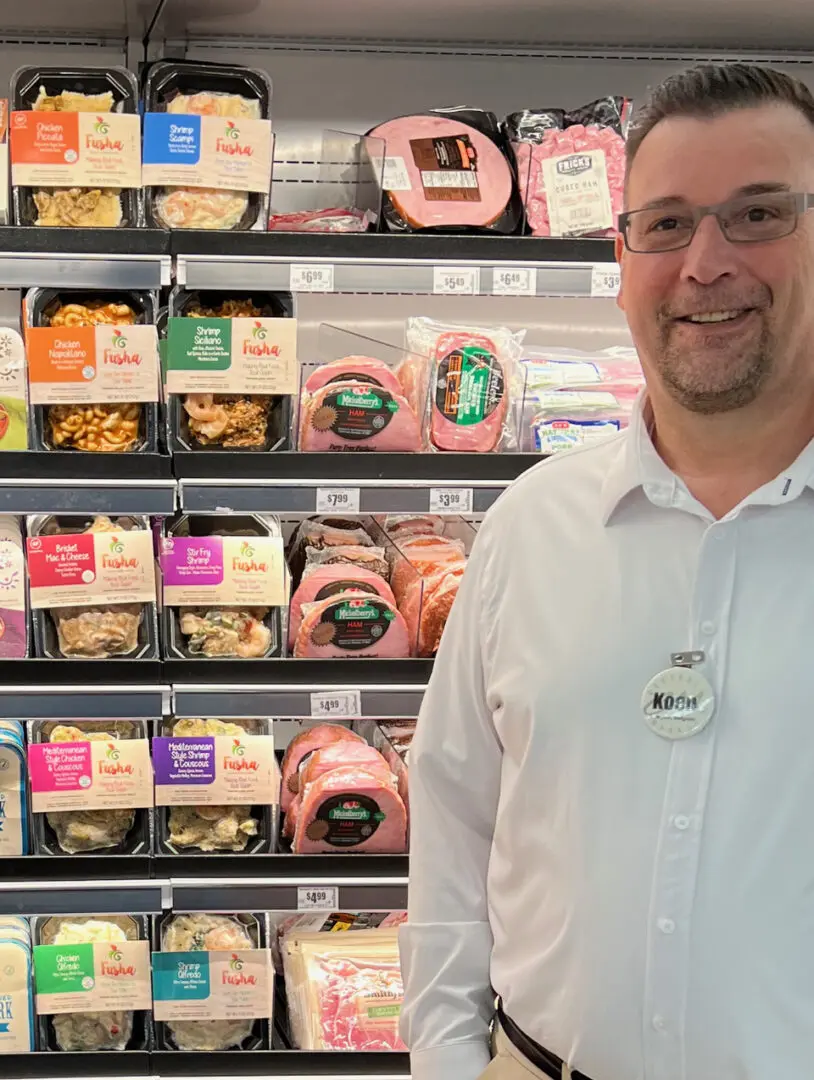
column 92, row 981
column 217, row 786
column 213, row 982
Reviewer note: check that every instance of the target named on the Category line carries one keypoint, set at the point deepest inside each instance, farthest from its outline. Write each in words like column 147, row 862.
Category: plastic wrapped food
column 227, row 632
column 369, row 558
column 301, row 747
column 336, row 220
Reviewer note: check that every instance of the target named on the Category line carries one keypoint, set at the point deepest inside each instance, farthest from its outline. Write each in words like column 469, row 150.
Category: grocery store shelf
column 84, row 258
column 81, row 884
column 44, row 689
column 386, row 263
column 386, row 483
column 67, row 1066
column 272, row 882
column 33, row 482
column 282, row 1064
column 239, row 688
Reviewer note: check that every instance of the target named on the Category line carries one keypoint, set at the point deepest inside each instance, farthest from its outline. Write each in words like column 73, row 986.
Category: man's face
column 718, row 366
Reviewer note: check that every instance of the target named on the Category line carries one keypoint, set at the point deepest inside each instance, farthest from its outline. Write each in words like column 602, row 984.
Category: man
column 614, row 839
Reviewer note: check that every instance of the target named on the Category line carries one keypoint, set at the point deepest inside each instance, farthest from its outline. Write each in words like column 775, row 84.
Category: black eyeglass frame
column 802, row 201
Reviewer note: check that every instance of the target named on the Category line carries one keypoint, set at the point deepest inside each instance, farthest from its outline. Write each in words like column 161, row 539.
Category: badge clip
column 688, row 659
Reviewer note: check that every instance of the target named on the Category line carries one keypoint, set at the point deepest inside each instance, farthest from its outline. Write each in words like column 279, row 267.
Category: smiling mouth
column 704, row 318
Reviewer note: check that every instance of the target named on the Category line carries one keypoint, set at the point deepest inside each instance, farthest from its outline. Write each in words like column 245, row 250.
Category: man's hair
column 713, row 89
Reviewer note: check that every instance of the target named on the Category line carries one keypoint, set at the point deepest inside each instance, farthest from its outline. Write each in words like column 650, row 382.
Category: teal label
column 180, row 976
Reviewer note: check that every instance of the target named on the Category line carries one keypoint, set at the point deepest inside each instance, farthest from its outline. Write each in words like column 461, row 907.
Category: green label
column 63, row 969
column 469, row 385
column 359, row 401
column 199, row 344
column 340, row 814
column 383, row 1010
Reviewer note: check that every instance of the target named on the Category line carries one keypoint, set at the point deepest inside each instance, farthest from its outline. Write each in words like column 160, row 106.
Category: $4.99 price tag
column 457, row 500
column 456, row 280
column 605, row 279
column 514, row 281
column 329, row 500
column 345, row 703
column 318, row 277
column 317, row 898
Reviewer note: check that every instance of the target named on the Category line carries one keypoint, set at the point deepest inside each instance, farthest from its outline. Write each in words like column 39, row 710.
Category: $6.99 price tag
column 345, row 703
column 316, row 278
column 317, row 898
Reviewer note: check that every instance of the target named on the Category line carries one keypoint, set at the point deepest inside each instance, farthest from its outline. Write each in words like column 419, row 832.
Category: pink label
column 59, row 767
column 106, row 774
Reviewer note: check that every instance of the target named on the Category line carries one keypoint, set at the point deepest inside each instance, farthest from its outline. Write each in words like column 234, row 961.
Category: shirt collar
column 638, row 467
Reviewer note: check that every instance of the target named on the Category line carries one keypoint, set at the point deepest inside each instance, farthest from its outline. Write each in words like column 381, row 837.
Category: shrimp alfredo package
column 207, row 146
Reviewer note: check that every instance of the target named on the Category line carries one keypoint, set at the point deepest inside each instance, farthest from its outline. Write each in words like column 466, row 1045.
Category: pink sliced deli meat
column 352, row 625
column 327, row 581
column 351, row 809
column 326, row 759
column 456, row 175
column 470, row 393
column 307, row 742
column 356, row 416
column 363, row 369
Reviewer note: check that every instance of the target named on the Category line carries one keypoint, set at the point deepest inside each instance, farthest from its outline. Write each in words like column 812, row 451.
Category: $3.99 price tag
column 318, row 277
column 457, row 500
column 456, row 280
column 329, row 500
column 317, row 898
column 514, row 281
column 605, row 279
column 336, row 703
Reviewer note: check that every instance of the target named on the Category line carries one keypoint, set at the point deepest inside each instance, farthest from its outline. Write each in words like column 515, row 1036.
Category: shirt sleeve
column 455, row 763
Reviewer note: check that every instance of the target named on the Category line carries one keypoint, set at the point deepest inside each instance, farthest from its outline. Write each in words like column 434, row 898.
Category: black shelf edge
column 93, row 867
column 83, row 675
column 75, row 467
column 280, row 1063
column 282, row 865
column 387, row 246
column 298, row 672
column 48, row 1065
column 48, row 241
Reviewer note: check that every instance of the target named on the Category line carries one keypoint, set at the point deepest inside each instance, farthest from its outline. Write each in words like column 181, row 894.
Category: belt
column 540, row 1058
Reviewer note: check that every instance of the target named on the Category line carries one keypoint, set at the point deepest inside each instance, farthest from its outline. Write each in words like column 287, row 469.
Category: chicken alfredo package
column 91, row 786
column 93, row 370
column 75, row 147
column 471, row 374
column 217, row 786
column 207, row 146
column 232, row 370
column 213, row 982
column 92, row 982
column 225, row 584
column 92, row 586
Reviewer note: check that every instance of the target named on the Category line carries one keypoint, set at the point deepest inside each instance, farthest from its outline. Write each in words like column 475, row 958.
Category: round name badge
column 678, row 703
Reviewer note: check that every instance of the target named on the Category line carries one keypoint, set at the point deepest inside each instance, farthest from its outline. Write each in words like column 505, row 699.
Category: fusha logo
column 116, row 546
column 234, row 975
column 116, row 559
column 259, row 331
column 118, row 356
column 237, row 748
column 232, row 131
column 245, row 563
column 574, row 165
column 237, row 760
column 112, row 766
column 100, row 139
column 256, row 345
column 235, row 964
column 230, row 142
column 101, row 127
column 112, row 965
column 112, row 753
column 246, row 549
column 119, row 340
column 114, row 954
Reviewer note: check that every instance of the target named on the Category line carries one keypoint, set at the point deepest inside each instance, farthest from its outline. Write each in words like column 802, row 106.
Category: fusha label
column 232, row 356
column 89, row 568
column 75, row 149
column 220, row 770
column 92, row 977
column 105, row 774
column 233, row 985
column 224, row 570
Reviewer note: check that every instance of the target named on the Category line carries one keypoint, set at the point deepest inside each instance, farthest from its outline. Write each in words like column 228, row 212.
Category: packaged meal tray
column 206, row 933
column 76, row 1032
column 230, row 617
column 232, row 93
column 119, row 426
column 203, row 826
column 123, row 831
column 229, row 421
column 85, row 90
column 98, row 624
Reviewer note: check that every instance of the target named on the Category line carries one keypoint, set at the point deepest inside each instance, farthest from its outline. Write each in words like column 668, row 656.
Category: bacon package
column 571, row 166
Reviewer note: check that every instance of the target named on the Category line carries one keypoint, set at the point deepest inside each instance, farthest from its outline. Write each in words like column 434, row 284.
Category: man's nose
column 710, row 255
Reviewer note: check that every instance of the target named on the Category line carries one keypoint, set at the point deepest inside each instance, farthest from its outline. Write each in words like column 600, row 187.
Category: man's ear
column 620, row 253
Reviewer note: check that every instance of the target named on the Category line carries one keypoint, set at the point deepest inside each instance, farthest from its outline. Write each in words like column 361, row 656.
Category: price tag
column 329, row 500
column 456, row 280
column 514, row 281
column 605, row 279
column 457, row 500
column 318, row 277
column 317, row 898
column 337, row 703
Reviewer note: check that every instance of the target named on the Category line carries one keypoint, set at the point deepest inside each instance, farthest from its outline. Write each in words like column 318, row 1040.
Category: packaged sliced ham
column 470, row 378
column 365, row 369
column 313, row 738
column 369, row 558
column 426, row 605
column 352, row 808
column 351, row 625
column 357, row 416
column 448, row 170
column 400, row 526
column 571, row 166
column 332, row 580
column 344, row 991
column 423, row 555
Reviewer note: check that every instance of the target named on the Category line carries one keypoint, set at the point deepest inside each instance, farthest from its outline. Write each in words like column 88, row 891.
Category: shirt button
column 659, row 1023
column 707, row 627
column 681, row 822
column 667, row 926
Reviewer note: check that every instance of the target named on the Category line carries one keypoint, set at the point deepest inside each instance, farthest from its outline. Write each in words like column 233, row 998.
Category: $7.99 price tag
column 332, row 499
column 345, row 703
column 456, row 280
column 317, row 898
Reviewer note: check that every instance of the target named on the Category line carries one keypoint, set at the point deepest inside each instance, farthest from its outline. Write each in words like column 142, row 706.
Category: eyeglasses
column 747, row 219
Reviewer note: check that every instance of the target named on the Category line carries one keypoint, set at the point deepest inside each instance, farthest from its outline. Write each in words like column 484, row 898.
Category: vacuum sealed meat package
column 571, row 166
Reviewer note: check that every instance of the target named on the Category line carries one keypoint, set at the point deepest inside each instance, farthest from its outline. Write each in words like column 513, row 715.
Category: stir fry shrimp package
column 231, row 370
column 91, row 787
column 207, row 146
column 75, row 147
column 213, row 982
column 225, row 585
column 93, row 370
column 92, row 586
column 92, row 982
column 471, row 373
column 217, row 786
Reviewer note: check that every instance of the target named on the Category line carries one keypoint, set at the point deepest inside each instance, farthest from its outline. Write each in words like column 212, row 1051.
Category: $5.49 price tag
column 329, row 500
column 457, row 500
column 336, row 703
column 317, row 898
column 514, row 281
column 456, row 280
column 605, row 279
column 318, row 277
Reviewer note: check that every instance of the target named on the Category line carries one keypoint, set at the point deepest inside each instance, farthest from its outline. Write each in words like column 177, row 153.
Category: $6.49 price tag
column 456, row 280
column 318, row 277
column 457, row 500
column 336, row 703
column 317, row 898
column 514, row 281
column 330, row 500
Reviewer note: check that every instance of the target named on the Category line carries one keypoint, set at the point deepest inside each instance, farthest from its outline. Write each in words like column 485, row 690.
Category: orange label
column 75, row 150
column 87, row 364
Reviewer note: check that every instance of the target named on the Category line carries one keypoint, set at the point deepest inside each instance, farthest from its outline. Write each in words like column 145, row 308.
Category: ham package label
column 207, row 151
column 92, row 977
column 228, row 571
column 232, row 356
column 578, row 193
column 448, row 168
column 75, row 150
column 110, row 774
column 233, row 985
column 82, row 365
column 219, row 770
column 85, row 569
